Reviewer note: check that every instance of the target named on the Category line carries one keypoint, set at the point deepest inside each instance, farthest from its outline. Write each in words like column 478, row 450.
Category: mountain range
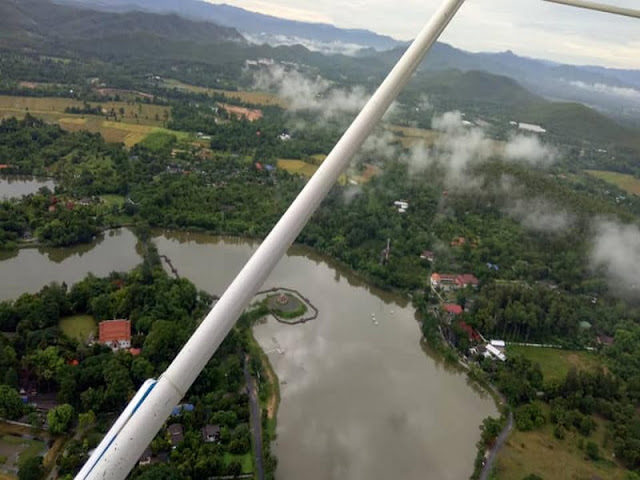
column 125, row 44
column 255, row 25
column 613, row 91
column 36, row 22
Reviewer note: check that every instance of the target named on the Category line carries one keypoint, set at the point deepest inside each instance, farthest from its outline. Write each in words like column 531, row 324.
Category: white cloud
column 616, row 249
column 459, row 148
column 539, row 215
column 601, row 88
column 529, row 149
column 304, row 93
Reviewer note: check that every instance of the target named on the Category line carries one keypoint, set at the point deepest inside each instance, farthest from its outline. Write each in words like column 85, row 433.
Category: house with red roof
column 445, row 281
column 115, row 334
column 452, row 309
column 471, row 333
column 466, row 280
column 448, row 281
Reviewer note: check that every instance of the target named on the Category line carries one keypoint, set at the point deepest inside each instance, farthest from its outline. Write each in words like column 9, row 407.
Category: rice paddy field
column 409, row 136
column 130, row 131
column 297, row 167
column 138, row 113
column 628, row 183
column 257, row 98
column 300, row 167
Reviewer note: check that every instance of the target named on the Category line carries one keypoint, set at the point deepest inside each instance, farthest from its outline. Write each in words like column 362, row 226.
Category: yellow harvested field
column 137, row 113
column 318, row 158
column 111, row 131
column 297, row 167
column 410, row 136
column 628, row 183
column 130, row 130
column 258, row 98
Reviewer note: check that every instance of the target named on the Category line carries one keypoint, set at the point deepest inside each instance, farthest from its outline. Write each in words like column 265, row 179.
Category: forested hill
column 246, row 21
column 213, row 56
column 32, row 23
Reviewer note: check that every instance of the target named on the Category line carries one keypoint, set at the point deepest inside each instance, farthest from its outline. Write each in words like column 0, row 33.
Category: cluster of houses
column 175, row 432
column 116, row 334
column 494, row 349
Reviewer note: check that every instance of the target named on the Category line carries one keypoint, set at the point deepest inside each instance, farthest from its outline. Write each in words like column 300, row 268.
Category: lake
column 18, row 186
column 358, row 400
column 30, row 269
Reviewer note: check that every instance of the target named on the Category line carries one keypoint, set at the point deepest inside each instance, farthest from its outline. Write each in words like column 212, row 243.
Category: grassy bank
column 539, row 452
column 556, row 363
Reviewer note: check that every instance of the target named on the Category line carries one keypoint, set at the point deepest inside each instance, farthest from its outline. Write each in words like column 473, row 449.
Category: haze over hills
column 207, row 54
column 265, row 28
column 613, row 91
column 34, row 22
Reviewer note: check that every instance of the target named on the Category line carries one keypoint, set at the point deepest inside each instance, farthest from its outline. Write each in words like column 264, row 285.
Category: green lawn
column 34, row 448
column 556, row 363
column 78, row 326
column 112, row 199
column 159, row 140
column 244, row 460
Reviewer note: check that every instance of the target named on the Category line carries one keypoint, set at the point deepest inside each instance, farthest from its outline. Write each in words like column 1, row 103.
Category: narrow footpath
column 488, row 465
column 256, row 423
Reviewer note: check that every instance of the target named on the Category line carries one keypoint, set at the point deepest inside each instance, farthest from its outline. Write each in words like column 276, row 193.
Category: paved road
column 486, row 470
column 256, row 420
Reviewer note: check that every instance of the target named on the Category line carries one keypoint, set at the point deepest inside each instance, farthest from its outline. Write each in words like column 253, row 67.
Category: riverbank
column 272, row 401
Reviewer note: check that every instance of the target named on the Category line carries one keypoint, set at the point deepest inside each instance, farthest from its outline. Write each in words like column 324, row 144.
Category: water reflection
column 16, row 186
column 60, row 254
column 359, row 399
column 28, row 270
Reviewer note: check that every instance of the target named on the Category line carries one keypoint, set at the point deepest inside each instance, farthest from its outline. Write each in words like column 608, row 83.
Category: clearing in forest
column 78, row 327
column 539, row 452
column 556, row 363
column 628, row 183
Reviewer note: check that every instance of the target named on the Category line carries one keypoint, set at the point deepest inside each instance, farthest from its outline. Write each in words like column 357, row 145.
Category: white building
column 494, row 352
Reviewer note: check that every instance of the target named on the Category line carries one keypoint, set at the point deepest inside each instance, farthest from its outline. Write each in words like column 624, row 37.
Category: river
column 18, row 186
column 358, row 400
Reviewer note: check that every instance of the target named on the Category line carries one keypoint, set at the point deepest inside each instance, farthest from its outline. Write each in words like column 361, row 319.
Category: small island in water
column 289, row 306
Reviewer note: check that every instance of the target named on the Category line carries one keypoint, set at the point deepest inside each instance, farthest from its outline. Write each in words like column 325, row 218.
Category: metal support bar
column 600, row 7
column 128, row 443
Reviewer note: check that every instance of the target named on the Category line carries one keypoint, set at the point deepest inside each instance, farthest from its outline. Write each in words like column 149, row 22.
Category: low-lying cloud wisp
column 616, row 250
column 304, row 93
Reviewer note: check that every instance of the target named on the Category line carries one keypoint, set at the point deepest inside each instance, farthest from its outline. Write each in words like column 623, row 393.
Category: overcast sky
column 528, row 27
